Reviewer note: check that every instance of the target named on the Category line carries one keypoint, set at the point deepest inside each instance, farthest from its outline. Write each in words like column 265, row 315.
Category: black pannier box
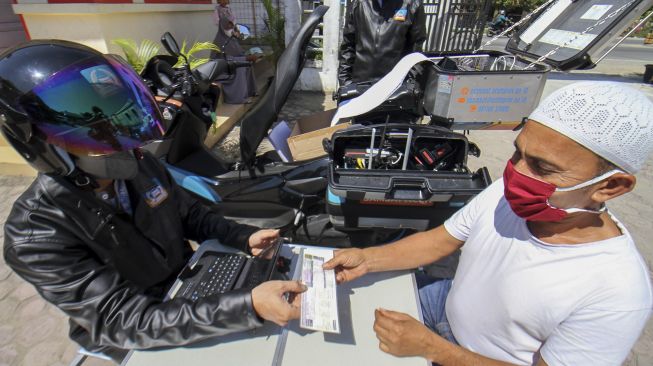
column 399, row 176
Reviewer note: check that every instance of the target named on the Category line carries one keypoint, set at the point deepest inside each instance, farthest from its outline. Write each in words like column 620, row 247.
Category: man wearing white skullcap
column 547, row 276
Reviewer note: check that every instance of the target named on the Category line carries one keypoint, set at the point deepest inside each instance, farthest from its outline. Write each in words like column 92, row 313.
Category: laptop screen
column 266, row 261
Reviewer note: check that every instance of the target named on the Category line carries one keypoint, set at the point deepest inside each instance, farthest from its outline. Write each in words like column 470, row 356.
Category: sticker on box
column 596, row 12
column 445, row 83
column 567, row 39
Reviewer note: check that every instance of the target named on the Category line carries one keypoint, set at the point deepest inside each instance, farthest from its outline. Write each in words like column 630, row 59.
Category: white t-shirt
column 514, row 294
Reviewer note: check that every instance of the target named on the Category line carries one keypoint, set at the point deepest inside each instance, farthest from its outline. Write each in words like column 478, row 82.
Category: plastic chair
column 83, row 354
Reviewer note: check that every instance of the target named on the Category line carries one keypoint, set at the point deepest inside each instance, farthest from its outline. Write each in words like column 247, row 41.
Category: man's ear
column 615, row 186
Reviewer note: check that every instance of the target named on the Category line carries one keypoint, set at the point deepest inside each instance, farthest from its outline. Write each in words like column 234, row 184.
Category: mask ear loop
column 588, row 183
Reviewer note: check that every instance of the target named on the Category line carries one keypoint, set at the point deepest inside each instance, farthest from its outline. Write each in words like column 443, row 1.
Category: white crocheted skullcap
column 610, row 119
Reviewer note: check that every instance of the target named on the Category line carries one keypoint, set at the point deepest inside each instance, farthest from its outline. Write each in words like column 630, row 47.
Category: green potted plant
column 193, row 60
column 137, row 55
column 276, row 24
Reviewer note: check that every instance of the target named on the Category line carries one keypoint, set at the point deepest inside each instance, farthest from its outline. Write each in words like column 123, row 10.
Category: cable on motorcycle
column 385, row 127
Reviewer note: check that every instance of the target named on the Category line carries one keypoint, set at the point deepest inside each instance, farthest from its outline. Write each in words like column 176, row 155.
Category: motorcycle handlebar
column 212, row 69
column 237, row 64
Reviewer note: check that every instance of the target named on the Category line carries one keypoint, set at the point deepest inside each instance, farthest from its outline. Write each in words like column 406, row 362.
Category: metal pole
column 369, row 163
column 624, row 37
column 409, row 140
column 253, row 2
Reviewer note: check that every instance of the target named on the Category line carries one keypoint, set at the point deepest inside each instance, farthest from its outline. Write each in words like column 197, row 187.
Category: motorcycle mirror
column 326, row 145
column 170, row 44
column 474, row 150
column 244, row 31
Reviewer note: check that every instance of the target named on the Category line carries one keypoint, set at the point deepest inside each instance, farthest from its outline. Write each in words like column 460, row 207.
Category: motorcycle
column 292, row 196
column 493, row 29
column 258, row 190
column 402, row 105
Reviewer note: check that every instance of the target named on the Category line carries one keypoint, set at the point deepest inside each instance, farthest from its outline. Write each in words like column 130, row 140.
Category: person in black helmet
column 102, row 232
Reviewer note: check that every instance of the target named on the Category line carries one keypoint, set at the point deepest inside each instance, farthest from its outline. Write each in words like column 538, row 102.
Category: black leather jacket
column 375, row 38
column 109, row 272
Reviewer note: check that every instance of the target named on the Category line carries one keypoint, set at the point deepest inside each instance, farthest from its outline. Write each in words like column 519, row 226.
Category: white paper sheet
column 379, row 92
column 319, row 303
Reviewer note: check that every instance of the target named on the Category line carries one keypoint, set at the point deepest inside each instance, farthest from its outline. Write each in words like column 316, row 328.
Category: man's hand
column 251, row 58
column 262, row 239
column 349, row 264
column 402, row 335
column 270, row 304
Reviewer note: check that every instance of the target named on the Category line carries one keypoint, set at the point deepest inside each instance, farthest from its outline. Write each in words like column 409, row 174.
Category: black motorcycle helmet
column 66, row 107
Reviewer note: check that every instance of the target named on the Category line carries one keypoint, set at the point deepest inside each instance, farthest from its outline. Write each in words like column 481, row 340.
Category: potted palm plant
column 193, row 60
column 138, row 55
column 276, row 23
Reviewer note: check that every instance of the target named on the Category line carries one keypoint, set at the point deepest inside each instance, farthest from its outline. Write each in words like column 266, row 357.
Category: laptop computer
column 214, row 272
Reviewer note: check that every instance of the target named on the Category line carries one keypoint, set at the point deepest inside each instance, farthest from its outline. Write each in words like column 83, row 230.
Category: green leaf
column 129, row 48
column 137, row 55
column 195, row 48
column 275, row 23
column 198, row 61
column 146, row 51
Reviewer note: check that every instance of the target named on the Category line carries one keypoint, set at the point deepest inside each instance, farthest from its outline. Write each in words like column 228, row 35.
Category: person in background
column 377, row 34
column 547, row 275
column 241, row 86
column 500, row 20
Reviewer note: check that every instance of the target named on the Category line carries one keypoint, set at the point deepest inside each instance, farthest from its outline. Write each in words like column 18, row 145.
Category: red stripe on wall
column 89, row 1
column 177, row 1
column 22, row 21
column 126, row 1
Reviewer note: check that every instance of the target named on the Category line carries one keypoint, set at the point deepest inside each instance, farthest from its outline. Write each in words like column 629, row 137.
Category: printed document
column 319, row 303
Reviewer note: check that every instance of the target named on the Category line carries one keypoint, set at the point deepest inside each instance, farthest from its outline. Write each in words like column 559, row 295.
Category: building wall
column 11, row 29
column 322, row 78
column 96, row 24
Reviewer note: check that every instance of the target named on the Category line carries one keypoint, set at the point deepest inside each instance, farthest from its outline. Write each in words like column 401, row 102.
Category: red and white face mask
column 529, row 197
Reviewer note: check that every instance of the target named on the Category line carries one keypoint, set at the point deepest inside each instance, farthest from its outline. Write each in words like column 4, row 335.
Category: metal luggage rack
column 487, row 63
column 391, row 150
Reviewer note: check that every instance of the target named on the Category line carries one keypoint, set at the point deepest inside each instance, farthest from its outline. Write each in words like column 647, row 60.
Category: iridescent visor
column 95, row 107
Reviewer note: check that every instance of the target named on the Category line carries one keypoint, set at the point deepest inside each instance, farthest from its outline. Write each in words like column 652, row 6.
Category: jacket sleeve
column 417, row 33
column 68, row 274
column 348, row 47
column 202, row 223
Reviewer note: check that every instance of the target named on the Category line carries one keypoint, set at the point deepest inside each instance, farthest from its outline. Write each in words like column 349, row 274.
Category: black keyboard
column 219, row 277
column 258, row 273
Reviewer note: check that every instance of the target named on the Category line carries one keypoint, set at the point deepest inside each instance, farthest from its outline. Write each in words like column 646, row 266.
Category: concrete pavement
column 626, row 61
column 32, row 332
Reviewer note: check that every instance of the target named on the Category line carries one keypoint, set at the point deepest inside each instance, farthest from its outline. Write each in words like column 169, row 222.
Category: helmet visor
column 94, row 107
